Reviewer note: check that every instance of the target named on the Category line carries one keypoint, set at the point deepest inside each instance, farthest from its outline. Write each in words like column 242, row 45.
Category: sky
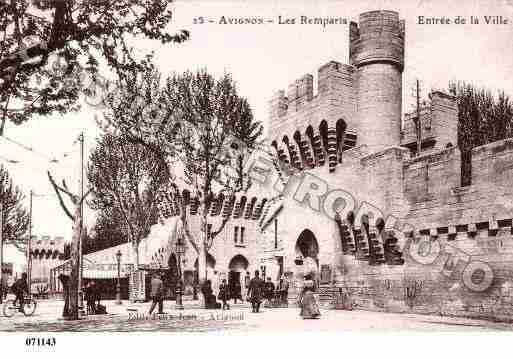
column 263, row 59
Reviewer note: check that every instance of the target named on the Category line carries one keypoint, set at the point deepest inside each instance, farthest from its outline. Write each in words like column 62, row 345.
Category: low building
column 101, row 268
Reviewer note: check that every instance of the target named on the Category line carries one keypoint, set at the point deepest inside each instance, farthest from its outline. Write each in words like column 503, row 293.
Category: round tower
column 377, row 51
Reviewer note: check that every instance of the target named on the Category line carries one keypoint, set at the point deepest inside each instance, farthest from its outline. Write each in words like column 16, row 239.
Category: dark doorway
column 280, row 265
column 307, row 245
column 238, row 264
column 233, row 278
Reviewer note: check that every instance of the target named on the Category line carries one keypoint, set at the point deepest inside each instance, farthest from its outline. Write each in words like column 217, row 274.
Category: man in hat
column 256, row 287
column 157, row 289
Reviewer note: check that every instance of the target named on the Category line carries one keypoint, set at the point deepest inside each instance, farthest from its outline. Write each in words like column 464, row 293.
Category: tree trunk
column 135, row 248
column 202, row 262
column 75, row 267
column 202, row 266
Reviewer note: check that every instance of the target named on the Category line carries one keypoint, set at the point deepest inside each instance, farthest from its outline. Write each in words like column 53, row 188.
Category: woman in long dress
column 307, row 301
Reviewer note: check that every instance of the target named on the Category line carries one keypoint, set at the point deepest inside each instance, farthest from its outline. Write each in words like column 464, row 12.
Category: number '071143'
column 40, row 342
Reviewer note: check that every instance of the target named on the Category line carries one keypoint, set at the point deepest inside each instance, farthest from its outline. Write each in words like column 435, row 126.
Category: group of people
column 92, row 297
column 258, row 290
column 276, row 295
column 309, row 308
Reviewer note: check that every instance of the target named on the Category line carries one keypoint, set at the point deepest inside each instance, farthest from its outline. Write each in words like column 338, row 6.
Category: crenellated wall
column 439, row 124
column 46, row 253
column 299, row 108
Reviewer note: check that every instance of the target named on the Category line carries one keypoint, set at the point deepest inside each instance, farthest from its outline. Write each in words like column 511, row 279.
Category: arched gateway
column 238, row 266
column 308, row 248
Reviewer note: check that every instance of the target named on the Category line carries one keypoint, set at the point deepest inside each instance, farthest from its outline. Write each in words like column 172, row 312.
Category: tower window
column 235, row 234
column 242, row 234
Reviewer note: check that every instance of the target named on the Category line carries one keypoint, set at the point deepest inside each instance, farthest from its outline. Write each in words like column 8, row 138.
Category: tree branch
column 57, row 190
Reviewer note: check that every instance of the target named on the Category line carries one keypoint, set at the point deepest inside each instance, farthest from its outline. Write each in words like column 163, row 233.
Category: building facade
column 361, row 207
column 350, row 145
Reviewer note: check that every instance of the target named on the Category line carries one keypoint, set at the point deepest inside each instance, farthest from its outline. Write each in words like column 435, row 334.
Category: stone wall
column 461, row 238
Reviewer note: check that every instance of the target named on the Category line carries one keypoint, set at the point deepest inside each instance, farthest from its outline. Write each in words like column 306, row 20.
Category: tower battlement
column 298, row 108
column 378, row 37
column 439, row 124
column 47, row 245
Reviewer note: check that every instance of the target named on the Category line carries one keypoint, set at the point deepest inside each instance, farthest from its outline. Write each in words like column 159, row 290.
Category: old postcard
column 254, row 167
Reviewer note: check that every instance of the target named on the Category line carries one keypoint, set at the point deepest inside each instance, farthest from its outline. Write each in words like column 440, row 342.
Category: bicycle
column 29, row 307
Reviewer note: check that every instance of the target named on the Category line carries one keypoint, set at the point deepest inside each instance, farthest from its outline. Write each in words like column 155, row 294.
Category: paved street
column 132, row 317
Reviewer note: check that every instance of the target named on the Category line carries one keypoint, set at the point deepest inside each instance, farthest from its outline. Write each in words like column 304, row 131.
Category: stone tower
column 377, row 51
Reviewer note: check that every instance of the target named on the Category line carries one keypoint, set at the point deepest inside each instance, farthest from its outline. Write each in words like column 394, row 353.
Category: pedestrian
column 97, row 297
column 284, row 291
column 269, row 291
column 157, row 294
column 237, row 291
column 307, row 302
column 246, row 280
column 224, row 294
column 216, row 282
column 255, row 292
column 90, row 296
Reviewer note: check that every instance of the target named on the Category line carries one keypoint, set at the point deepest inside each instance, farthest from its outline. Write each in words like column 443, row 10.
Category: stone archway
column 307, row 245
column 308, row 248
column 238, row 263
column 237, row 267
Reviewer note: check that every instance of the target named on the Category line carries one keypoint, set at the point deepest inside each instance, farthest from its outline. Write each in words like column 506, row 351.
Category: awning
column 98, row 270
column 98, row 274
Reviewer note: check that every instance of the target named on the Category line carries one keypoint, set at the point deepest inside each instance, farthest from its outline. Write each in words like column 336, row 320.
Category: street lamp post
column 118, row 285
column 180, row 250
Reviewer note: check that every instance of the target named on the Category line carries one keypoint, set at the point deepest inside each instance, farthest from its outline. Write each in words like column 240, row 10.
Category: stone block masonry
column 356, row 115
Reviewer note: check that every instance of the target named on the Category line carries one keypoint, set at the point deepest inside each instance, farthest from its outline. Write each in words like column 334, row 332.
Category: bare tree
column 78, row 232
